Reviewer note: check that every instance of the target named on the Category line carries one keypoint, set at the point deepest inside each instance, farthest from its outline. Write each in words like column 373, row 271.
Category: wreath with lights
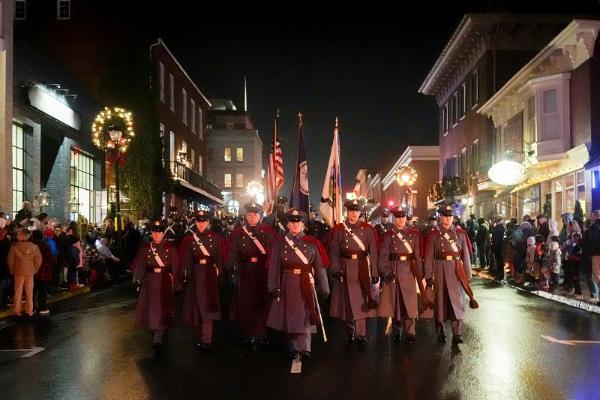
column 406, row 171
column 116, row 118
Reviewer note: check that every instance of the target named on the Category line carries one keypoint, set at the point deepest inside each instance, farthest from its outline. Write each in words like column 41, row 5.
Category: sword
column 312, row 284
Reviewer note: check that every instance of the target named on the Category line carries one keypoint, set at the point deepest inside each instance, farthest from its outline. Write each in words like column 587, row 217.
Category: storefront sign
column 54, row 104
column 507, row 173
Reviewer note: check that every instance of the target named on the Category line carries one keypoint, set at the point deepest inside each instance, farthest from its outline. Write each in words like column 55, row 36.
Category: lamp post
column 43, row 199
column 406, row 176
column 74, row 208
column 115, row 137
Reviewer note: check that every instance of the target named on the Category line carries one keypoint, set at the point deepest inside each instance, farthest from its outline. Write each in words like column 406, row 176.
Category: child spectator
column 555, row 260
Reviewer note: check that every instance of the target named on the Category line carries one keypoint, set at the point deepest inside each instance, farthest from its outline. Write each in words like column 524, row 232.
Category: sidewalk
column 67, row 294
column 581, row 304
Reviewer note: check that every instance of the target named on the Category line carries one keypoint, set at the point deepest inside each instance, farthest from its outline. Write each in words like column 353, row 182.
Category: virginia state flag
column 331, row 197
column 299, row 196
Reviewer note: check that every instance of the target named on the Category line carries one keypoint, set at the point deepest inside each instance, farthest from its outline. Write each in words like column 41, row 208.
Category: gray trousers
column 357, row 327
column 456, row 325
column 299, row 342
column 406, row 325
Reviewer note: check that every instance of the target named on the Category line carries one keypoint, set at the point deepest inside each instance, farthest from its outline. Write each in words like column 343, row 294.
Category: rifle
column 460, row 274
column 312, row 284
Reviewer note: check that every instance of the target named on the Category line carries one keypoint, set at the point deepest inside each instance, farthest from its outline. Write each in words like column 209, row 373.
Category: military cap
column 295, row 215
column 156, row 225
column 446, row 209
column 202, row 215
column 282, row 200
column 398, row 212
column 253, row 207
column 385, row 212
column 432, row 218
column 352, row 205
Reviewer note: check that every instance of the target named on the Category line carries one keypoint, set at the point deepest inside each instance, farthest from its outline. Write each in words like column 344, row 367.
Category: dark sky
column 365, row 69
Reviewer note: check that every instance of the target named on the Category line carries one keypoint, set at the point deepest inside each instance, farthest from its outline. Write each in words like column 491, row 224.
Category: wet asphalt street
column 91, row 350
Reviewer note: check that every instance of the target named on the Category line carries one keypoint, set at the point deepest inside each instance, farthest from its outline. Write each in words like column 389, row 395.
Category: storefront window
column 18, row 167
column 82, row 184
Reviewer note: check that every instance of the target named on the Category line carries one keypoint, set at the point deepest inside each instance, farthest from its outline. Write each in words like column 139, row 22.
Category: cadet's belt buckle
column 158, row 270
column 253, row 259
column 202, row 261
column 297, row 271
column 403, row 258
column 449, row 258
column 354, row 256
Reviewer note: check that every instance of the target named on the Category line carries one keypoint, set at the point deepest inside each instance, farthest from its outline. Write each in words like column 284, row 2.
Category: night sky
column 366, row 70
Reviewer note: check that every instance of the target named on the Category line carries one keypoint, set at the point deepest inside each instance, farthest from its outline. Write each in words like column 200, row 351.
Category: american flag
column 275, row 172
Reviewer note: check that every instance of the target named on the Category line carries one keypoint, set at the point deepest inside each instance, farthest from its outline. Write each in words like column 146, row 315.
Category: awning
column 576, row 159
column 199, row 191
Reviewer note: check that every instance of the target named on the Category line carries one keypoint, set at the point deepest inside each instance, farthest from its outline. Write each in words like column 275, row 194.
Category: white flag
column 331, row 197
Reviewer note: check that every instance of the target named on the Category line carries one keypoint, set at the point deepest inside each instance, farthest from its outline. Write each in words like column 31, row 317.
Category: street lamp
column 43, row 199
column 115, row 135
column 406, row 176
column 256, row 191
column 74, row 208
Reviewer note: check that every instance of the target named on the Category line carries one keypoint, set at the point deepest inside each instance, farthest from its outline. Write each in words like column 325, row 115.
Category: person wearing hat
column 353, row 253
column 276, row 219
column 157, row 271
column 448, row 270
column 190, row 226
column 202, row 260
column 400, row 263
column 247, row 252
column 384, row 224
column 482, row 239
column 296, row 265
column 173, row 230
column 497, row 246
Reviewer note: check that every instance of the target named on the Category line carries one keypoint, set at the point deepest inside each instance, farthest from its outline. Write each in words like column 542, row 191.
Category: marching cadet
column 202, row 260
column 172, row 231
column 383, row 225
column 247, row 251
column 276, row 219
column 190, row 227
column 353, row 254
column 448, row 270
column 157, row 271
column 400, row 264
column 297, row 263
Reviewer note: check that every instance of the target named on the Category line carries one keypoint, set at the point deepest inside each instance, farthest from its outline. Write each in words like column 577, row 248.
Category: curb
column 581, row 304
column 67, row 294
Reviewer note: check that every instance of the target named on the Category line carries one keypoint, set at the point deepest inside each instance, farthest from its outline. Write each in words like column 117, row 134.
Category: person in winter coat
column 24, row 260
column 44, row 276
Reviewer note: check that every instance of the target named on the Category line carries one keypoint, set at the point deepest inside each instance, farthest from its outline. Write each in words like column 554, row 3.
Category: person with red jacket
column 45, row 274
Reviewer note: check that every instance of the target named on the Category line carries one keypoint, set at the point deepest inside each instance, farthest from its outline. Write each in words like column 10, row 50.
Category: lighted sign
column 507, row 173
column 54, row 104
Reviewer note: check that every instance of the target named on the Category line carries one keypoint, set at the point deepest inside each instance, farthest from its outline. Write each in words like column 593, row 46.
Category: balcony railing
column 181, row 172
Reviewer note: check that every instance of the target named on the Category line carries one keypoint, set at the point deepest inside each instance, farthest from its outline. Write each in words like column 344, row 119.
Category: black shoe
column 441, row 337
column 349, row 339
column 157, row 346
column 409, row 339
column 203, row 347
column 264, row 342
column 397, row 338
column 305, row 355
column 457, row 339
column 251, row 341
column 362, row 341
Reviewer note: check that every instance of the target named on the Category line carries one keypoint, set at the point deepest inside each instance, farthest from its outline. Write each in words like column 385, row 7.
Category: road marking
column 569, row 342
column 31, row 352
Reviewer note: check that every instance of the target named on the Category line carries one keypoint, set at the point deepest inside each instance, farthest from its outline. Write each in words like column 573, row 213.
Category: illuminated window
column 18, row 167
column 227, row 181
column 227, row 154
column 63, row 9
column 82, row 184
column 239, row 154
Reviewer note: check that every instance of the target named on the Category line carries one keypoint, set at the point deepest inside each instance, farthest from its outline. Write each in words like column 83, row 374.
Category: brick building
column 546, row 115
column 484, row 52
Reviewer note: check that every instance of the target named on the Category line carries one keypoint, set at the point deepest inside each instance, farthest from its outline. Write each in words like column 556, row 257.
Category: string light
column 100, row 135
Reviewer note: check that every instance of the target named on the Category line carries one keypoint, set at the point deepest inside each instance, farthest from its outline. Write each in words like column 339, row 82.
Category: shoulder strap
column 404, row 241
column 356, row 238
column 159, row 260
column 201, row 245
column 298, row 252
column 257, row 242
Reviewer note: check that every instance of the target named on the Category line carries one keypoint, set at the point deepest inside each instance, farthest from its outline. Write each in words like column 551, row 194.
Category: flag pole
column 274, row 206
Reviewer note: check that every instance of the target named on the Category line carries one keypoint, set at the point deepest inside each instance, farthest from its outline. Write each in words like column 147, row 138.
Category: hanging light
column 507, row 173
